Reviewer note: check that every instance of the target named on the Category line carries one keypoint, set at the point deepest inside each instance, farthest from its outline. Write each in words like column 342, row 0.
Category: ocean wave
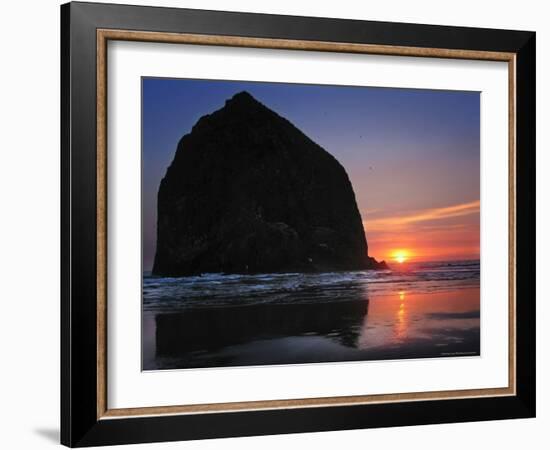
column 216, row 289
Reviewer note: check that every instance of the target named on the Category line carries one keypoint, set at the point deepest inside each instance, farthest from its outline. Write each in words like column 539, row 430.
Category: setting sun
column 400, row 256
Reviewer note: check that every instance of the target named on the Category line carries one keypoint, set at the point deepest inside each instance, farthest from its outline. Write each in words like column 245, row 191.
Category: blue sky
column 406, row 151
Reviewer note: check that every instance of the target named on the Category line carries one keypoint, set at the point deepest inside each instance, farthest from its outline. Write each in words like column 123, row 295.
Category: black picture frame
column 80, row 425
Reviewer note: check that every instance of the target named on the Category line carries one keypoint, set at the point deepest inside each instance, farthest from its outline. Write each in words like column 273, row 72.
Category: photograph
column 299, row 223
column 282, row 221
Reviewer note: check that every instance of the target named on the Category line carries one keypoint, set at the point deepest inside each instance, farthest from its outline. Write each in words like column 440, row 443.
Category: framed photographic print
column 276, row 224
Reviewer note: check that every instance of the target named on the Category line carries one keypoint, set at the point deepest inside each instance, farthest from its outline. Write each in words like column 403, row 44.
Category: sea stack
column 248, row 192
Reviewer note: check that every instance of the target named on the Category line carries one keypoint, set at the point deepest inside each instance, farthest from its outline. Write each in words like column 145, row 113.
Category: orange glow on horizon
column 436, row 234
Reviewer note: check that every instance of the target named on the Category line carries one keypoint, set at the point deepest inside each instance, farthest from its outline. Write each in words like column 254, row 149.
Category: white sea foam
column 216, row 289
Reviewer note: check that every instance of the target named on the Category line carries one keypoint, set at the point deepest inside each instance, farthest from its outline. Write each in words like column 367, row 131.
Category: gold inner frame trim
column 103, row 36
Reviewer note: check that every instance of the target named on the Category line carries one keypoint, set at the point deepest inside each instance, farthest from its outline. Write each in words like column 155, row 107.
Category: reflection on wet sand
column 358, row 327
column 214, row 328
column 442, row 319
column 401, row 324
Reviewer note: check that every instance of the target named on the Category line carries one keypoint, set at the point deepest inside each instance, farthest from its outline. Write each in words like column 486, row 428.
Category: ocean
column 415, row 310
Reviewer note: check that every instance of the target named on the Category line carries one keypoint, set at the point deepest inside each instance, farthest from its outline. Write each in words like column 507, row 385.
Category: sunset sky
column 412, row 155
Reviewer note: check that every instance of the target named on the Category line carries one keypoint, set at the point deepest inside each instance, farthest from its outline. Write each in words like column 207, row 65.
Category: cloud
column 370, row 211
column 447, row 212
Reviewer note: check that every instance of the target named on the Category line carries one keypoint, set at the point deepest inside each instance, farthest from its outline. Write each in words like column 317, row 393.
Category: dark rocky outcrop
column 249, row 192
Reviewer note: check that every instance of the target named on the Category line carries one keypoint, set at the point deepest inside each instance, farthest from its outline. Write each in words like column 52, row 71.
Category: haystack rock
column 247, row 192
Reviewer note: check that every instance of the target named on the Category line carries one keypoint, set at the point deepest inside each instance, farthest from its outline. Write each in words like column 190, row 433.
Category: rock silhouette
column 247, row 192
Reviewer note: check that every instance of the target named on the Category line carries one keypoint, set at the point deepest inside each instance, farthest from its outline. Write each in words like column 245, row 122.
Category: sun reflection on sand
column 404, row 316
column 401, row 322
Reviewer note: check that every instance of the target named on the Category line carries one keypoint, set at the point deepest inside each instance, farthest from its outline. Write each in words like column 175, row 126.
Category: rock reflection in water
column 310, row 328
column 199, row 336
column 213, row 329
